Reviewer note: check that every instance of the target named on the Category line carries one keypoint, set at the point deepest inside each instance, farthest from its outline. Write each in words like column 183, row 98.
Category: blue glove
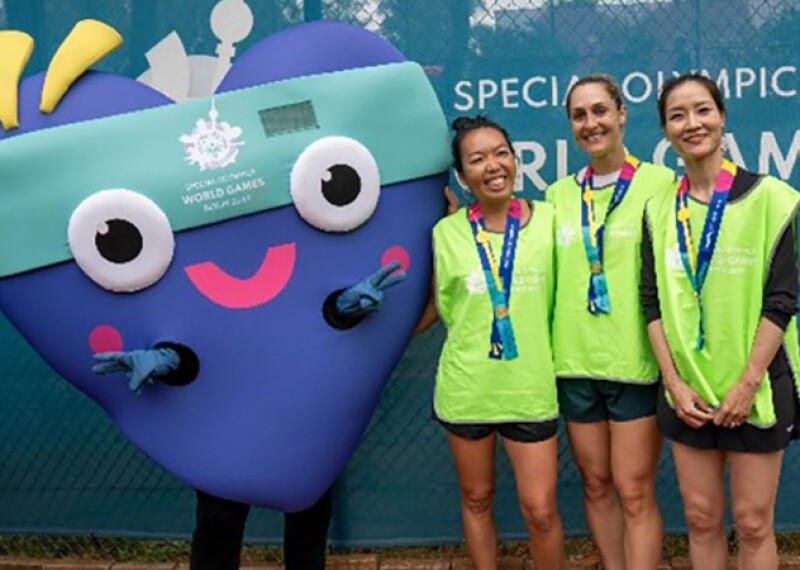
column 366, row 296
column 139, row 366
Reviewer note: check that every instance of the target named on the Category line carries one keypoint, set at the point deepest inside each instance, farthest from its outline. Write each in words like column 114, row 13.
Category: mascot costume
column 214, row 272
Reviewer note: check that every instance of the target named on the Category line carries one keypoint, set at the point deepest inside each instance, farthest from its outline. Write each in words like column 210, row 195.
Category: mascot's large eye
column 335, row 184
column 121, row 240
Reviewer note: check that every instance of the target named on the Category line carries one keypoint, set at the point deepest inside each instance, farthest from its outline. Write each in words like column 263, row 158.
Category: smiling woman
column 722, row 323
column 606, row 372
column 495, row 374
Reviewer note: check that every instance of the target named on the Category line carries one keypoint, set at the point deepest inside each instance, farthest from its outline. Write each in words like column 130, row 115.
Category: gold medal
column 501, row 312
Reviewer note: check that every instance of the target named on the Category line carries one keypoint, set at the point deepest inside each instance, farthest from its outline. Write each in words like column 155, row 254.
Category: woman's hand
column 736, row 405
column 452, row 200
column 689, row 406
column 738, row 402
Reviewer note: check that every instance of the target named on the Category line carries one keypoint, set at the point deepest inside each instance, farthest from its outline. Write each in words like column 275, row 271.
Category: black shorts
column 523, row 432
column 586, row 400
column 746, row 438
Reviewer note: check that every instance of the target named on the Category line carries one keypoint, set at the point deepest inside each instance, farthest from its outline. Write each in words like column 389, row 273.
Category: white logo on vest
column 673, row 258
column 565, row 235
column 476, row 283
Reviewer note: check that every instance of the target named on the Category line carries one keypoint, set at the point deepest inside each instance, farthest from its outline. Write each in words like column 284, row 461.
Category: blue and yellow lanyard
column 697, row 264
column 498, row 278
column 597, row 298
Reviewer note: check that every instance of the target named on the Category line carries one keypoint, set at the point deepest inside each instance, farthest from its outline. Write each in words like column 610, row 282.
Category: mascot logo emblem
column 212, row 145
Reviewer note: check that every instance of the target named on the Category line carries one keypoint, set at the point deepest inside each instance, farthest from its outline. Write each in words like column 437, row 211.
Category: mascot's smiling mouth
column 234, row 293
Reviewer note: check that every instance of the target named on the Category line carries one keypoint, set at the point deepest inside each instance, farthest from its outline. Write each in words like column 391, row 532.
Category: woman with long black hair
column 719, row 288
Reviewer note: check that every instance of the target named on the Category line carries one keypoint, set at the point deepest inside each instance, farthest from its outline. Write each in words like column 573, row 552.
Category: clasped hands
column 695, row 412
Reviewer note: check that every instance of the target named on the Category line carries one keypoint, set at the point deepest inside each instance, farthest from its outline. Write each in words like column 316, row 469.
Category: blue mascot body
column 278, row 397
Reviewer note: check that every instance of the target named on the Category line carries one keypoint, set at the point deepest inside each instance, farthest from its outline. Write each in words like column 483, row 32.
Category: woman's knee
column 540, row 516
column 598, row 486
column 704, row 518
column 752, row 526
column 478, row 500
column 637, row 496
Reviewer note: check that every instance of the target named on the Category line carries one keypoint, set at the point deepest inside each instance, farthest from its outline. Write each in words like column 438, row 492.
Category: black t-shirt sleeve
column 648, row 287
column 779, row 302
column 780, row 291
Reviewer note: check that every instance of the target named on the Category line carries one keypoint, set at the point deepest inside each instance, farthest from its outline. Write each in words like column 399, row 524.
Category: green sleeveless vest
column 614, row 346
column 470, row 386
column 733, row 292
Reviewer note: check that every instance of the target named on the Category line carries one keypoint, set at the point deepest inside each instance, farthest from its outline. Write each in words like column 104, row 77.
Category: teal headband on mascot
column 261, row 130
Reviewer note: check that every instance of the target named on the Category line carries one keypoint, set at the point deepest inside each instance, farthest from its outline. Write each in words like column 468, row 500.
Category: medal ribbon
column 697, row 264
column 498, row 277
column 597, row 298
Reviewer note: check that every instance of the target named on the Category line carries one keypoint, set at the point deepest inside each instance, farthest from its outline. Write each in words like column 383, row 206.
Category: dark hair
column 671, row 84
column 465, row 125
column 603, row 79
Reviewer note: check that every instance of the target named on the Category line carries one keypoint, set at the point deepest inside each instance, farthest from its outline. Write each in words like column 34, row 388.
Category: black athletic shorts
column 745, row 438
column 523, row 432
